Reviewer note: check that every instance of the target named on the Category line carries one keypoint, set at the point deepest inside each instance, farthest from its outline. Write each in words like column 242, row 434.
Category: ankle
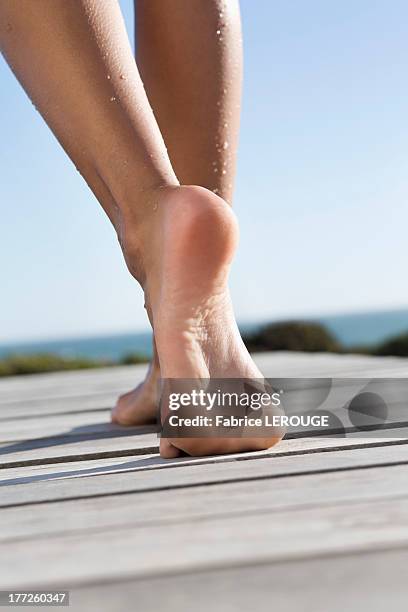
column 136, row 230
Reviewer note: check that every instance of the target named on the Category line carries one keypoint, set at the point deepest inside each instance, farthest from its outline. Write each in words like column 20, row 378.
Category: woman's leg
column 74, row 60
column 189, row 54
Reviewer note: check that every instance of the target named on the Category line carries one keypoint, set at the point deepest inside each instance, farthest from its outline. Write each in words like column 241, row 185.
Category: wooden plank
column 66, row 425
column 374, row 581
column 319, row 503
column 85, row 424
column 395, row 395
column 179, row 505
column 259, row 537
column 397, row 405
column 54, row 471
column 59, row 405
column 285, row 448
column 298, row 446
column 68, row 448
column 70, row 384
column 320, row 365
column 150, row 474
column 98, row 446
column 31, row 446
column 342, row 392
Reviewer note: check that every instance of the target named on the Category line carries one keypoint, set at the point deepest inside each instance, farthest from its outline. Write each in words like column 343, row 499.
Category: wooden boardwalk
column 315, row 524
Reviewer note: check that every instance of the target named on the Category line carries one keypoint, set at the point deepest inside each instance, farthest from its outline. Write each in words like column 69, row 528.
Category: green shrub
column 293, row 336
column 133, row 358
column 396, row 346
column 282, row 336
column 43, row 362
column 14, row 365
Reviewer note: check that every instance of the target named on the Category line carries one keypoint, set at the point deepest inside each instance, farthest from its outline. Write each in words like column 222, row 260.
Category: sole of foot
column 195, row 330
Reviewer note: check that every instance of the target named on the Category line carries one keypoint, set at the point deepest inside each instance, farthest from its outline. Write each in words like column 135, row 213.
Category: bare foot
column 193, row 244
column 139, row 406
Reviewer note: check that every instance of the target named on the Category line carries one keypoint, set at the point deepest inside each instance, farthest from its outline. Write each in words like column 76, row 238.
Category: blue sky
column 321, row 191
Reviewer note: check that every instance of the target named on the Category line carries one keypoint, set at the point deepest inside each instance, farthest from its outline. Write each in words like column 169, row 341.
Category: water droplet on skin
column 123, row 77
column 218, row 32
column 215, row 170
column 225, row 124
column 224, row 172
column 108, row 77
column 113, row 99
column 214, row 163
column 215, row 190
column 225, row 145
column 220, row 39
column 221, row 15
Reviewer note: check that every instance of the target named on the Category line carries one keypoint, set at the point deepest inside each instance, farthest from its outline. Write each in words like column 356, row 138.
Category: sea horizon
column 351, row 329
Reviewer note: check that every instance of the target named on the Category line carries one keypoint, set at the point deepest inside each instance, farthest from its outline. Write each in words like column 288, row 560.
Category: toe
column 167, row 450
column 114, row 418
column 118, row 412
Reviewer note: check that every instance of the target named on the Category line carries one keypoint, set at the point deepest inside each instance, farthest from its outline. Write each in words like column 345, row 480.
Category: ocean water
column 368, row 328
column 110, row 348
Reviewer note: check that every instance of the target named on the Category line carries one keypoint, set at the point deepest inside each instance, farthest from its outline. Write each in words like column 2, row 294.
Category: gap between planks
column 121, row 480
column 77, row 451
column 227, row 499
column 204, row 544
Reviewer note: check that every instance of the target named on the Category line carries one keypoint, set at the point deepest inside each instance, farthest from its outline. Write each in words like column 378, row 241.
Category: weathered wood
column 249, row 538
column 180, row 505
column 66, row 425
column 67, row 448
column 395, row 396
column 152, row 473
column 100, row 493
column 87, row 423
column 61, row 405
column 38, row 413
column 287, row 447
column 320, row 365
column 70, row 384
column 28, row 444
column 374, row 581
